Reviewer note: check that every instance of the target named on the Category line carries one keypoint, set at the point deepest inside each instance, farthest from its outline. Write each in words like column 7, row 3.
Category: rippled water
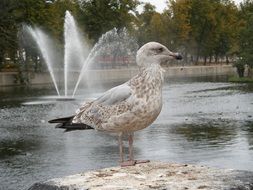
column 207, row 123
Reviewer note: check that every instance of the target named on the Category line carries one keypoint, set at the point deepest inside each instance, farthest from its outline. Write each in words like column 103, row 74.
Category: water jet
column 78, row 57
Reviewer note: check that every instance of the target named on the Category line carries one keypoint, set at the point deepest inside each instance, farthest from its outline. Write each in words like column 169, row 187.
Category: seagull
column 129, row 107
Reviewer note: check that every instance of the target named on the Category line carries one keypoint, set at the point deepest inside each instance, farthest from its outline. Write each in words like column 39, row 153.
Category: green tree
column 179, row 25
column 8, row 30
column 246, row 37
column 143, row 23
column 228, row 27
column 157, row 29
column 55, row 16
column 99, row 16
column 205, row 28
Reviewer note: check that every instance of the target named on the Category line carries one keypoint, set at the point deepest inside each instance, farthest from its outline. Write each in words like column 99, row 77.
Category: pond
column 204, row 121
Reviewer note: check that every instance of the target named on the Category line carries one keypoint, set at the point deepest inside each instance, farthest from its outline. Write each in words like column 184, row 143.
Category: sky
column 161, row 4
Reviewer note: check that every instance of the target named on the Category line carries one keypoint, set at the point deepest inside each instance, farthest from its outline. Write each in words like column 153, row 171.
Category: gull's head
column 154, row 53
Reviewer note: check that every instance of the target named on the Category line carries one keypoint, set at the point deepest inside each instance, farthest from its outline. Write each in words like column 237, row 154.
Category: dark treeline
column 206, row 31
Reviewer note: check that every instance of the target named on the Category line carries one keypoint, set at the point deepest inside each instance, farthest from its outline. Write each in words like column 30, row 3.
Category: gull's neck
column 153, row 71
column 148, row 77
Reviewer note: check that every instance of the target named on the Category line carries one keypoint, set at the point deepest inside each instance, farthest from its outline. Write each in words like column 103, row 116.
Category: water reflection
column 202, row 122
column 247, row 130
column 10, row 148
column 206, row 134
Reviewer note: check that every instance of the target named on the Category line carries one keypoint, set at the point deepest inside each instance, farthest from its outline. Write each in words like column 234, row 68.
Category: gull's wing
column 100, row 110
column 115, row 95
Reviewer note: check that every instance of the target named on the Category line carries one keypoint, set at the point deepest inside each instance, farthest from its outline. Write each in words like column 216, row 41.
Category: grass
column 240, row 80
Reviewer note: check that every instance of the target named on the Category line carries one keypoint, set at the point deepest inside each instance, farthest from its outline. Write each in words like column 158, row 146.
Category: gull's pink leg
column 131, row 157
column 131, row 161
column 130, row 141
column 121, row 148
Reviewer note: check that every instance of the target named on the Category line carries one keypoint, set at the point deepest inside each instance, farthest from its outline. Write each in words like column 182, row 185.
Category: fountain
column 78, row 58
column 112, row 43
column 75, row 49
column 47, row 51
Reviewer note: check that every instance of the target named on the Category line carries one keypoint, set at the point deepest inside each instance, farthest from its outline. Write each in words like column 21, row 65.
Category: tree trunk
column 197, row 57
column 227, row 60
column 216, row 58
column 185, row 58
column 205, row 60
column 240, row 71
column 191, row 59
column 1, row 59
column 210, row 59
column 250, row 72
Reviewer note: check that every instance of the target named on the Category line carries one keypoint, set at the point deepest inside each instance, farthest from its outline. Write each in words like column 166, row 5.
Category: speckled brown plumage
column 136, row 112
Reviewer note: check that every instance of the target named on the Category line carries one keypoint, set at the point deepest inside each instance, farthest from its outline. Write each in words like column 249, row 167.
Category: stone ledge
column 153, row 175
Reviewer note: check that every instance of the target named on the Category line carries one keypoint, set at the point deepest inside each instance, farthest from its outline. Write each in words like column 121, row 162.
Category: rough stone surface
column 153, row 175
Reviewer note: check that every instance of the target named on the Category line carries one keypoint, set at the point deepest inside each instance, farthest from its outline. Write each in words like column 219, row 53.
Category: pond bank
column 9, row 78
column 153, row 175
column 240, row 80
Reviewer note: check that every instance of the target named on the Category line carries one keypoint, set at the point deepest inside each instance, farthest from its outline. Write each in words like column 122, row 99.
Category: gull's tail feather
column 61, row 120
column 66, row 123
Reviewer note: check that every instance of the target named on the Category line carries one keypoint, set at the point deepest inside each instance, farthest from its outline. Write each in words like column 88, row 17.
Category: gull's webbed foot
column 133, row 162
column 141, row 161
column 128, row 163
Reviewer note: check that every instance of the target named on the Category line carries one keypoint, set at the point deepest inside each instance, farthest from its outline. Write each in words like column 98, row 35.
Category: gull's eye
column 159, row 50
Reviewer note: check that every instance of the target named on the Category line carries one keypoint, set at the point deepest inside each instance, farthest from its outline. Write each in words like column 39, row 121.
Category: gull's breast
column 146, row 104
column 146, row 108
column 147, row 112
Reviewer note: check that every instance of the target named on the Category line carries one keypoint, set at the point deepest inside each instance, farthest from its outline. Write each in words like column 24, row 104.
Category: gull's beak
column 173, row 55
column 177, row 56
